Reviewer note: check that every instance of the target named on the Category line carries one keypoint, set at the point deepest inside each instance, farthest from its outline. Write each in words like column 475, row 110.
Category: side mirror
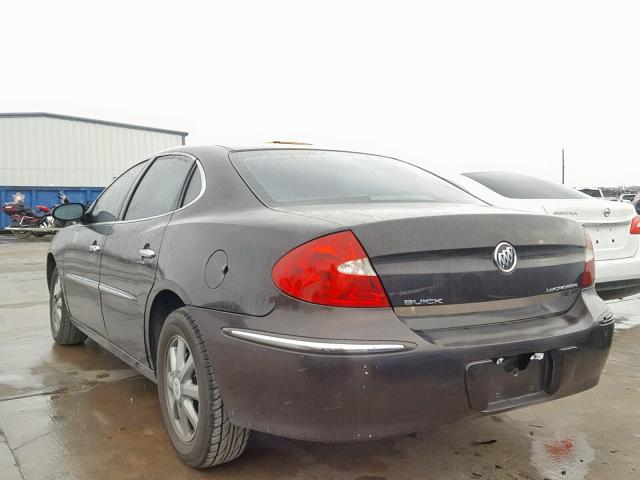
column 68, row 212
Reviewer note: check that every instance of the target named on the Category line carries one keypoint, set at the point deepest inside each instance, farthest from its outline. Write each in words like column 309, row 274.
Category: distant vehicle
column 614, row 227
column 593, row 192
column 627, row 197
column 323, row 295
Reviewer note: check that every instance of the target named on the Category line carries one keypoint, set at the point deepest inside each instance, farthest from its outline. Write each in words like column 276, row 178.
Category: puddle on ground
column 562, row 457
column 627, row 323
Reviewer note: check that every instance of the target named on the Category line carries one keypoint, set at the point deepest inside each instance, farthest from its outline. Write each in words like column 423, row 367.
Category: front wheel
column 191, row 404
column 62, row 330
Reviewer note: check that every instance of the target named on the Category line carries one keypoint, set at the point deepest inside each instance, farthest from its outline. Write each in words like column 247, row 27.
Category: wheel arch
column 51, row 265
column 165, row 301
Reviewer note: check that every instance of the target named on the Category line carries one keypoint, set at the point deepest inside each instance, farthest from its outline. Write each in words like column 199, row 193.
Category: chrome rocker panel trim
column 102, row 287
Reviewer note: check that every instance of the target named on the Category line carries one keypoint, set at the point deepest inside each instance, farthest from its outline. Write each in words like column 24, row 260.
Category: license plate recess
column 510, row 381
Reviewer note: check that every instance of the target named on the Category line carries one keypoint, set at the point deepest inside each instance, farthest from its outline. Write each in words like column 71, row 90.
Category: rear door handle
column 94, row 249
column 146, row 253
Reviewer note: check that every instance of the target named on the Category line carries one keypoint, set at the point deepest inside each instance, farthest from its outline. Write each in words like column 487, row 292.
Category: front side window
column 514, row 185
column 286, row 177
column 159, row 190
column 108, row 205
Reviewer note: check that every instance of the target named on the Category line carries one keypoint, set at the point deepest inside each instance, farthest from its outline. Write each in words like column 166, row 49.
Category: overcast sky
column 454, row 85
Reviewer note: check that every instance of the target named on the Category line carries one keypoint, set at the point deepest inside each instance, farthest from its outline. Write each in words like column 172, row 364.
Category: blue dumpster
column 47, row 196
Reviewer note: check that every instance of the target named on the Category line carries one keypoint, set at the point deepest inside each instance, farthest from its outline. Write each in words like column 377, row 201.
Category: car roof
column 293, row 146
column 215, row 150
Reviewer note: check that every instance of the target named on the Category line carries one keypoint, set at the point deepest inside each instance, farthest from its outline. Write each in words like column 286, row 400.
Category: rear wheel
column 21, row 234
column 190, row 400
column 62, row 330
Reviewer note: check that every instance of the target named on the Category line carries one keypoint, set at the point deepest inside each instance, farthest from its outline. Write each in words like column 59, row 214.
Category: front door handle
column 146, row 253
column 94, row 249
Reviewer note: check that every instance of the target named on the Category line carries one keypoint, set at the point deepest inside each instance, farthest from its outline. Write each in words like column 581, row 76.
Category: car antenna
column 285, row 142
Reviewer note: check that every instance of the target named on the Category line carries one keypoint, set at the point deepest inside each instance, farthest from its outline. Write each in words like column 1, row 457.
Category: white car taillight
column 589, row 274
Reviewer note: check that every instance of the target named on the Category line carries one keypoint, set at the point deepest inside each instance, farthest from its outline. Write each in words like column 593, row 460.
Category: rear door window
column 193, row 189
column 159, row 190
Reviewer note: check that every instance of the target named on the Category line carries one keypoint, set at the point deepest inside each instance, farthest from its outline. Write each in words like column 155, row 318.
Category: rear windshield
column 286, row 177
column 592, row 192
column 514, row 185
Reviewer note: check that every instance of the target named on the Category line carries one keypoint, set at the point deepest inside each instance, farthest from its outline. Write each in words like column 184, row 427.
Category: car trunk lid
column 436, row 262
column 607, row 223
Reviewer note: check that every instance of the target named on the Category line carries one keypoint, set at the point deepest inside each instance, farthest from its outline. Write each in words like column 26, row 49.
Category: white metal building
column 41, row 149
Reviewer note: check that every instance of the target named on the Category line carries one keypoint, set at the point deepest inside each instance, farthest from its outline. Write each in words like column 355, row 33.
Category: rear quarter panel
column 252, row 242
column 230, row 219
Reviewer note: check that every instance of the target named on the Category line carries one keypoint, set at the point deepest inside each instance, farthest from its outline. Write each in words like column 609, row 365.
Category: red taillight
column 332, row 270
column 635, row 225
column 589, row 274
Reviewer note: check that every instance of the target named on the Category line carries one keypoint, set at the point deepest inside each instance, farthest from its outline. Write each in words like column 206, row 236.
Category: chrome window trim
column 313, row 346
column 172, row 154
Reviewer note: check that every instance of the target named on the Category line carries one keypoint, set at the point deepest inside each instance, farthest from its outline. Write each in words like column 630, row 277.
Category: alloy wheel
column 56, row 305
column 181, row 389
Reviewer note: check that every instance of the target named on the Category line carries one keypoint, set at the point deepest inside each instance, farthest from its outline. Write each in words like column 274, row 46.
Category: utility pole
column 563, row 166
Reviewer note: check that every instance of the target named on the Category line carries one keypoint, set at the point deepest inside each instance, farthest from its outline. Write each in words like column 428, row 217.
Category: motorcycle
column 40, row 218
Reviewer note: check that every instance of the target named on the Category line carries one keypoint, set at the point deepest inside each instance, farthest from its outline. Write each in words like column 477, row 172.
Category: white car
column 627, row 197
column 614, row 227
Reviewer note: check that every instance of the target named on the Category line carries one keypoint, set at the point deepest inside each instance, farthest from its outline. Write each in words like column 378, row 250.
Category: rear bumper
column 438, row 377
column 621, row 269
column 618, row 277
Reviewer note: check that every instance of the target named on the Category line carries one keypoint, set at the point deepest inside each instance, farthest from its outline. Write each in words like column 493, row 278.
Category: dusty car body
column 316, row 314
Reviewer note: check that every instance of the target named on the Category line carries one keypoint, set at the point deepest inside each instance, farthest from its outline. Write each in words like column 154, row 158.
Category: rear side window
column 285, row 177
column 107, row 206
column 514, row 185
column 159, row 190
column 194, row 188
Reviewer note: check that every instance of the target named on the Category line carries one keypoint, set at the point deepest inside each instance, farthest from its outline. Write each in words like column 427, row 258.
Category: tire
column 39, row 234
column 21, row 234
column 62, row 330
column 214, row 439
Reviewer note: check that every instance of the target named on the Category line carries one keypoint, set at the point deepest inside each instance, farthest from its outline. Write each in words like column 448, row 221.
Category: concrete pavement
column 79, row 413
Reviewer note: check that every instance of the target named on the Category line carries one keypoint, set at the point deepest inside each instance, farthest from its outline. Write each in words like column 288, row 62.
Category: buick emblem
column 606, row 212
column 505, row 257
